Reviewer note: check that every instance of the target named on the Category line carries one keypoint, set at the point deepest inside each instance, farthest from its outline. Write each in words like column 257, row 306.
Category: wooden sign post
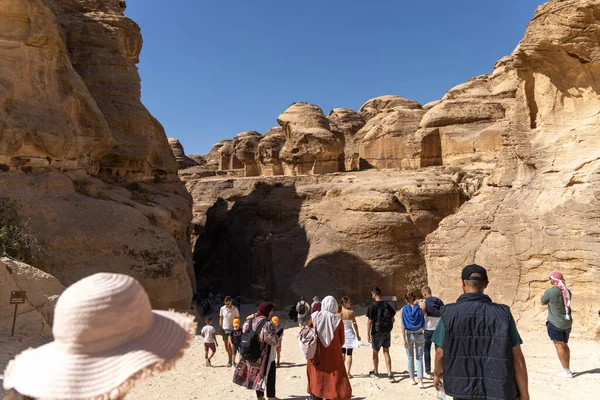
column 16, row 298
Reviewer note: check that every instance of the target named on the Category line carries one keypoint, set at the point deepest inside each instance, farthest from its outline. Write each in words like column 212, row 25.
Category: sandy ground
column 190, row 379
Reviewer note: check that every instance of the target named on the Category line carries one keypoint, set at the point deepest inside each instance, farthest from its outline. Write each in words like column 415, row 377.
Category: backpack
column 307, row 341
column 433, row 307
column 250, row 348
column 385, row 319
column 302, row 309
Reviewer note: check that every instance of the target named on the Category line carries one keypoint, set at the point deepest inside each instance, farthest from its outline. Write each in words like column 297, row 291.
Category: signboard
column 17, row 297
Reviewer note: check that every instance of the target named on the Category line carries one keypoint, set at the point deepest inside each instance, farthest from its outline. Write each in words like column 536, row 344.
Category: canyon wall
column 90, row 167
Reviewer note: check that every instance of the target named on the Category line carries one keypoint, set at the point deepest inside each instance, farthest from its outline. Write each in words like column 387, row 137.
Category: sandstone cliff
column 91, row 167
column 538, row 211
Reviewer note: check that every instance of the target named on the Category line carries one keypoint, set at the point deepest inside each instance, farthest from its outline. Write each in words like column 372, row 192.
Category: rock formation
column 246, row 150
column 310, row 147
column 183, row 161
column 306, row 235
column 374, row 106
column 35, row 316
column 91, row 168
column 268, row 152
column 538, row 211
column 345, row 123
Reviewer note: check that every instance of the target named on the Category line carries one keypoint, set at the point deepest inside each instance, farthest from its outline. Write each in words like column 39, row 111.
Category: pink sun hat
column 106, row 338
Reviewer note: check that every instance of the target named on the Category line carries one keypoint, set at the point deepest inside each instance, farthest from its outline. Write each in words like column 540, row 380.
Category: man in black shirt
column 381, row 321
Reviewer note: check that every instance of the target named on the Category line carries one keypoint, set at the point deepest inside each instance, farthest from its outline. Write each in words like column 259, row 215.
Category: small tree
column 16, row 240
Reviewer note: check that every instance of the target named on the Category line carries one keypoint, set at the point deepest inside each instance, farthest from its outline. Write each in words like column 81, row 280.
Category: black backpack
column 250, row 346
column 385, row 319
column 302, row 309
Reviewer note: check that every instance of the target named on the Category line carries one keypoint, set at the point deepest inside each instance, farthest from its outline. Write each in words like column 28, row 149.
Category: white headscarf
column 326, row 320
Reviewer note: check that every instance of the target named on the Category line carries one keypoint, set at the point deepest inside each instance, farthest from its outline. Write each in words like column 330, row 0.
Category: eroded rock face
column 81, row 154
column 310, row 147
column 537, row 212
column 227, row 157
column 183, row 161
column 36, row 315
column 307, row 235
column 345, row 122
column 268, row 152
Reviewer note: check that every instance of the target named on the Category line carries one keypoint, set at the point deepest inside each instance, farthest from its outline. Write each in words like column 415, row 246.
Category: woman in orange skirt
column 328, row 379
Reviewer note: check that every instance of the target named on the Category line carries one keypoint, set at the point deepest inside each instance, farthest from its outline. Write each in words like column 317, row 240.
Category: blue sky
column 213, row 69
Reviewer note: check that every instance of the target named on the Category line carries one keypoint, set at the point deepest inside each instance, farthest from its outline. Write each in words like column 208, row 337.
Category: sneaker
column 229, row 364
column 373, row 374
column 428, row 376
column 565, row 374
column 420, row 385
column 207, row 363
column 412, row 381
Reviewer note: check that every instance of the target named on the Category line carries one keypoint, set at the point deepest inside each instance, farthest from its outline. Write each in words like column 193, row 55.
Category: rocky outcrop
column 183, row 161
column 331, row 234
column 246, row 150
column 345, row 123
column 388, row 139
column 310, row 147
column 82, row 155
column 268, row 152
column 227, row 157
column 374, row 106
column 42, row 291
column 537, row 212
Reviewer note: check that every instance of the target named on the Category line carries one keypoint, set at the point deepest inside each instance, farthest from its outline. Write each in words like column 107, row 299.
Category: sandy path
column 190, row 379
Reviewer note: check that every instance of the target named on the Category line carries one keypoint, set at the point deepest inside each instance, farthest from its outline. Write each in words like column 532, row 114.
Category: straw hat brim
column 48, row 373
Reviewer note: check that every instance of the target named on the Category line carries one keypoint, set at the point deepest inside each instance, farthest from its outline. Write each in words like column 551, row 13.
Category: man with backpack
column 432, row 308
column 304, row 310
column 380, row 325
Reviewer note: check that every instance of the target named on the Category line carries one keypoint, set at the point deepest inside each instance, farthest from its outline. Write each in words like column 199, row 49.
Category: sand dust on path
column 191, row 380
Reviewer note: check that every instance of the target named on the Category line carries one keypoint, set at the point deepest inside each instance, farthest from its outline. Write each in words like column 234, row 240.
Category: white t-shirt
column 208, row 331
column 229, row 316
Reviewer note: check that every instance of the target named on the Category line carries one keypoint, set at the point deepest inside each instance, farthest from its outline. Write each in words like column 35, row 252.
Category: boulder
column 374, row 106
column 36, row 315
column 268, row 152
column 310, row 147
column 183, row 161
column 537, row 212
column 345, row 123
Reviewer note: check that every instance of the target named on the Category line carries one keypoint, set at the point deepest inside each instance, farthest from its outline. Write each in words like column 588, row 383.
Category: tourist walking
column 303, row 309
column 558, row 324
column 106, row 339
column 235, row 340
column 210, row 341
column 413, row 334
column 432, row 307
column 227, row 314
column 316, row 304
column 261, row 375
column 479, row 354
column 352, row 337
column 327, row 378
column 379, row 328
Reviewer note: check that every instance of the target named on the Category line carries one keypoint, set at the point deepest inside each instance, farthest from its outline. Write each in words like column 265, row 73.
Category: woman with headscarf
column 327, row 377
column 260, row 376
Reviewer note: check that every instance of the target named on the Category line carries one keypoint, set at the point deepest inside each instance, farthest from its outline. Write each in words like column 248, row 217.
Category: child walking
column 210, row 340
column 235, row 340
column 279, row 329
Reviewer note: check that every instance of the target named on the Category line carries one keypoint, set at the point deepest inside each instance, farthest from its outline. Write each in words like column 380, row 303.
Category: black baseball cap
column 474, row 272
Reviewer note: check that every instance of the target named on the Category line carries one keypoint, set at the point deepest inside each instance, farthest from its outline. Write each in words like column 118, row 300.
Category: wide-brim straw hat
column 106, row 338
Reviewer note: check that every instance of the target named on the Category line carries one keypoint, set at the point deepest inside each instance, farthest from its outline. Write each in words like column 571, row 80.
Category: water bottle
column 441, row 394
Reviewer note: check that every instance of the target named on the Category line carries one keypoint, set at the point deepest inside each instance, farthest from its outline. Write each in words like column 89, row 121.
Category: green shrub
column 16, row 240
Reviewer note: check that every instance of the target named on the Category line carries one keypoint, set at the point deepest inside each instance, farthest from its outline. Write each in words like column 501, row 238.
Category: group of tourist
column 107, row 337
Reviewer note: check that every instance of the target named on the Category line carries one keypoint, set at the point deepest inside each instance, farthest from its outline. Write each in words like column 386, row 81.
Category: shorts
column 226, row 333
column 379, row 340
column 235, row 349
column 346, row 351
column 556, row 334
column 210, row 346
